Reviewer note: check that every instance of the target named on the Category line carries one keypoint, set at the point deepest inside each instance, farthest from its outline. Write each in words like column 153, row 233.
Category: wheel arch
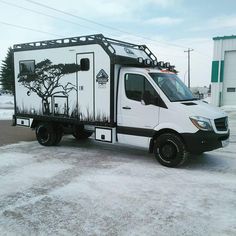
column 160, row 132
column 36, row 122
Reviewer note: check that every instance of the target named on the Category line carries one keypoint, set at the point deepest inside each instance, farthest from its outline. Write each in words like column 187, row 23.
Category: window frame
column 231, row 90
column 144, row 85
column 22, row 61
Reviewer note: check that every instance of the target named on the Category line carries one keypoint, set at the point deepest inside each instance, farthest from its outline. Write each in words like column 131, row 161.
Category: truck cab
column 176, row 123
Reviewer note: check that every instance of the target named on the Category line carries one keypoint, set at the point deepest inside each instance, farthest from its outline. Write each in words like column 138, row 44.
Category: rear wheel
column 170, row 150
column 59, row 133
column 46, row 134
column 197, row 153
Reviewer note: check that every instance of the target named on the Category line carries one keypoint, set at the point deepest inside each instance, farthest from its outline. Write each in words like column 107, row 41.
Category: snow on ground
column 6, row 101
column 207, row 99
column 6, row 106
column 88, row 188
column 6, row 114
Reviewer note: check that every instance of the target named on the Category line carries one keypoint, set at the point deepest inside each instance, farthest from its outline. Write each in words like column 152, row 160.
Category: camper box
column 87, row 96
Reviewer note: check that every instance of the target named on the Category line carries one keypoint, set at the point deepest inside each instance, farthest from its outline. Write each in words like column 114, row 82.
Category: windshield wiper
column 186, row 100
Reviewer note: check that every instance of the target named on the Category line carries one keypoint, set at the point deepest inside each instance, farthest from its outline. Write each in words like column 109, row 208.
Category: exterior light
column 161, row 63
column 140, row 59
column 167, row 65
column 155, row 63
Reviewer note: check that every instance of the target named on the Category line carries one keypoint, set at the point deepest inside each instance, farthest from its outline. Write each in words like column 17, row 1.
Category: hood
column 200, row 108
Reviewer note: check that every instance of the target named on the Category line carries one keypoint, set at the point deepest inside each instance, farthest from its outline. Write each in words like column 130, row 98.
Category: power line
column 30, row 29
column 100, row 24
column 72, row 22
column 44, row 14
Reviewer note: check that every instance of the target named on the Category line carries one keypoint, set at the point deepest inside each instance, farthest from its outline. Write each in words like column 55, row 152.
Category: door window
column 138, row 88
column 134, row 86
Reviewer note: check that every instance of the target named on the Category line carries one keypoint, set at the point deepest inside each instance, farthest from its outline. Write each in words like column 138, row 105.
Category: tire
column 197, row 153
column 170, row 150
column 46, row 134
column 80, row 134
column 59, row 133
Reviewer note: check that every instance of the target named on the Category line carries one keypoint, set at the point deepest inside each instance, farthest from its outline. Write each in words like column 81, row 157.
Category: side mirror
column 84, row 64
column 146, row 98
column 142, row 102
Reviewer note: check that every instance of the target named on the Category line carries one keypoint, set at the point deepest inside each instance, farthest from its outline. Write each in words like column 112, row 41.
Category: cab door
column 138, row 113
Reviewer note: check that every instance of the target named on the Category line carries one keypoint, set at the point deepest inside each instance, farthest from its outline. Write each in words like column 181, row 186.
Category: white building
column 223, row 76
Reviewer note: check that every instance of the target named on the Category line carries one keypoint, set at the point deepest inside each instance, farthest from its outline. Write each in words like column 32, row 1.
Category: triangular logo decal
column 102, row 77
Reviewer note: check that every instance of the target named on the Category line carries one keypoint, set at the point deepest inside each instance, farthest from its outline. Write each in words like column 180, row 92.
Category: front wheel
column 170, row 150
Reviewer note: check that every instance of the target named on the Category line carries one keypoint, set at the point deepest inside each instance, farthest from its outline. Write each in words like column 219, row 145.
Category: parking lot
column 88, row 188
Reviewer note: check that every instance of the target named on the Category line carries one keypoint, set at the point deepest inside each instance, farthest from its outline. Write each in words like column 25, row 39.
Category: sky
column 167, row 27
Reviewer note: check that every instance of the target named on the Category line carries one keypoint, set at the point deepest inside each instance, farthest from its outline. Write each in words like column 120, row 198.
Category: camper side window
column 27, row 67
column 84, row 64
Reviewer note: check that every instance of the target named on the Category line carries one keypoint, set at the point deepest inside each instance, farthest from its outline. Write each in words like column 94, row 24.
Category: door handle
column 127, row 108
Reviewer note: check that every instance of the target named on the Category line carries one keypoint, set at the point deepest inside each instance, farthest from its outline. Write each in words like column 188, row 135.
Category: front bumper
column 203, row 141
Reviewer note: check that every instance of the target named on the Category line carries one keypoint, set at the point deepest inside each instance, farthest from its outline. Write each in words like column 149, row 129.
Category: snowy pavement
column 88, row 188
column 6, row 107
column 83, row 188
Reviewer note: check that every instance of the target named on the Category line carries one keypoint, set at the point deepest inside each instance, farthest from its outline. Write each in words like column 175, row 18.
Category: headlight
column 201, row 123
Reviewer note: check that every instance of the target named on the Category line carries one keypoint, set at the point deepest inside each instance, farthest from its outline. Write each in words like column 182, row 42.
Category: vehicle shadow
column 106, row 149
column 210, row 161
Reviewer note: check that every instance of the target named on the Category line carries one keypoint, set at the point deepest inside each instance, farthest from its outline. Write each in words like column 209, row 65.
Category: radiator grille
column 221, row 124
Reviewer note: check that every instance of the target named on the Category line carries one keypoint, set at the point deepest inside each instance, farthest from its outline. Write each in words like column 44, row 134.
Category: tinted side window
column 134, row 85
column 149, row 93
column 138, row 88
column 84, row 64
column 27, row 67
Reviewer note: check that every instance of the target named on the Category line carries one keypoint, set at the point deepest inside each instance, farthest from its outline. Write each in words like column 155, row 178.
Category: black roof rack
column 106, row 43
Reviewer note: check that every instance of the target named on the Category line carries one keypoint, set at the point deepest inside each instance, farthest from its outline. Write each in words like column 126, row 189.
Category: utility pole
column 188, row 51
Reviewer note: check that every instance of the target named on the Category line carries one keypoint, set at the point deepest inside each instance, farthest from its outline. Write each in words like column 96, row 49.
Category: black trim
column 203, row 141
column 65, row 120
column 13, row 67
column 112, row 95
column 94, row 82
column 117, row 90
column 104, row 141
column 135, row 131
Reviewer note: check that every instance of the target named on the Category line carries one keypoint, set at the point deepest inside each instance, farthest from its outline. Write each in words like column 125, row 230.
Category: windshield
column 173, row 87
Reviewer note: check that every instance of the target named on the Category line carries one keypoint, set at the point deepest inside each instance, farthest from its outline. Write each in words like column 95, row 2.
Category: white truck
column 117, row 91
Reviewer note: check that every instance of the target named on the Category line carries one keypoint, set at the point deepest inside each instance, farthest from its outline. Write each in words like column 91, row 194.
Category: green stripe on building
column 225, row 37
column 221, row 71
column 214, row 71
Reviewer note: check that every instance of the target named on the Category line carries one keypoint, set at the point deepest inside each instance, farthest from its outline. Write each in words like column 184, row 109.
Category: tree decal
column 45, row 80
